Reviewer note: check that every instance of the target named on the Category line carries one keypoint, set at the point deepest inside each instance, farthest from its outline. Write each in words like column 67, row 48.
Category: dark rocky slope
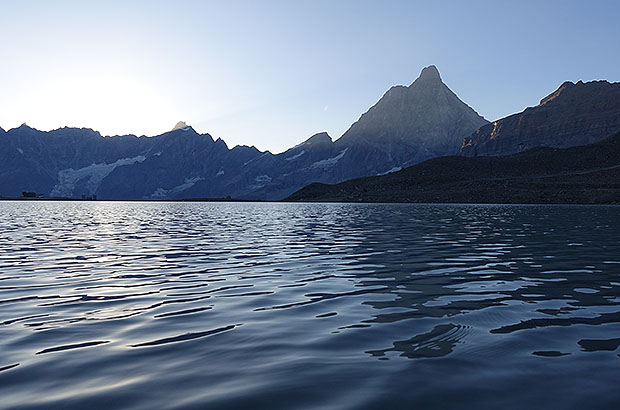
column 573, row 115
column 585, row 174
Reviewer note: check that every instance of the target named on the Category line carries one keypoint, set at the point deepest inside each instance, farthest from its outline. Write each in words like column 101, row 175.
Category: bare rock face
column 573, row 115
column 415, row 123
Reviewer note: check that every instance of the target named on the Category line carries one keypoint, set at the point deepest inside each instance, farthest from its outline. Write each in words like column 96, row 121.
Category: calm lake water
column 242, row 305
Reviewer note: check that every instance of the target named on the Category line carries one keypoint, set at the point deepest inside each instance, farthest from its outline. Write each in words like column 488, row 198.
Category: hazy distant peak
column 319, row 137
column 429, row 73
column 180, row 125
column 25, row 126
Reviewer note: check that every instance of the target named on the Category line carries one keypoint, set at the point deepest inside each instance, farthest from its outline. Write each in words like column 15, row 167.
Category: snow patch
column 67, row 178
column 263, row 179
column 390, row 171
column 220, row 173
column 256, row 158
column 157, row 154
column 330, row 162
column 161, row 193
column 296, row 156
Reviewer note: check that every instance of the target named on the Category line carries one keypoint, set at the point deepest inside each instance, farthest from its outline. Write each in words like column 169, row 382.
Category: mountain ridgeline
column 564, row 150
column 406, row 126
column 584, row 174
column 575, row 114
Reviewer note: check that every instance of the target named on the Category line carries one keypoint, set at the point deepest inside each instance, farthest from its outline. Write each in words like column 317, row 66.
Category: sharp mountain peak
column 429, row 73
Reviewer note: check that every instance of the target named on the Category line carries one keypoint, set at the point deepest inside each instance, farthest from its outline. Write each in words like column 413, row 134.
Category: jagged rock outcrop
column 573, row 115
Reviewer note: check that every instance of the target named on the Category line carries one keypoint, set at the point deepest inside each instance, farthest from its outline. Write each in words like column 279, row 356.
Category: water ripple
column 108, row 302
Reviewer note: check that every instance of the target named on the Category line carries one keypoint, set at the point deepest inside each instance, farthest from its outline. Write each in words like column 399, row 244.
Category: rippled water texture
column 200, row 305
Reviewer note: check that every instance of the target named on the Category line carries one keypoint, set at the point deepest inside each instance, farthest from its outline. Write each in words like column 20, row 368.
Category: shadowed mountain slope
column 585, row 174
column 573, row 115
column 415, row 123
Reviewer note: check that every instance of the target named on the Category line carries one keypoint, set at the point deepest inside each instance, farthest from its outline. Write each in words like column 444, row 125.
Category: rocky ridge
column 575, row 114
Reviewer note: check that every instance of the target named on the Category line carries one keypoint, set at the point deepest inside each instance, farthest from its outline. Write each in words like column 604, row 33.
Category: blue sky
column 272, row 73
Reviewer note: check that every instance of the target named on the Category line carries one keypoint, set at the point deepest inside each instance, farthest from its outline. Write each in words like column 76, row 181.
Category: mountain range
column 583, row 174
column 408, row 125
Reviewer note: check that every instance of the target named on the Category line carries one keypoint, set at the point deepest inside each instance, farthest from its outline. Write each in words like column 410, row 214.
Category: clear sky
column 272, row 73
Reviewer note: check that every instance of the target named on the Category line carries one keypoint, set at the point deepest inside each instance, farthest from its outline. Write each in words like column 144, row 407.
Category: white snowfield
column 296, row 156
column 67, row 178
column 161, row 193
column 330, row 162
column 389, row 171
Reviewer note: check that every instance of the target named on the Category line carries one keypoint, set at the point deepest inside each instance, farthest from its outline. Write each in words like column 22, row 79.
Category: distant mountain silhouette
column 50, row 163
column 407, row 125
column 574, row 114
column 584, row 174
column 175, row 163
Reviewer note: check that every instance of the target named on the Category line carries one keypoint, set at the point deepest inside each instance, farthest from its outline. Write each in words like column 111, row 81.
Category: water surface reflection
column 174, row 305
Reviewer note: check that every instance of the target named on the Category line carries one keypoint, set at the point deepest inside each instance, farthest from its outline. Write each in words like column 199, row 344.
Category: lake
column 145, row 305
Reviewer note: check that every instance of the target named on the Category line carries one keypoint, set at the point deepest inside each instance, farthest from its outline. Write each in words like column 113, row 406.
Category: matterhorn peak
column 180, row 125
column 430, row 73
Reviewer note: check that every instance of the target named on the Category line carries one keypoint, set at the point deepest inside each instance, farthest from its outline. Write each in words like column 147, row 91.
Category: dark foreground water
column 174, row 305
